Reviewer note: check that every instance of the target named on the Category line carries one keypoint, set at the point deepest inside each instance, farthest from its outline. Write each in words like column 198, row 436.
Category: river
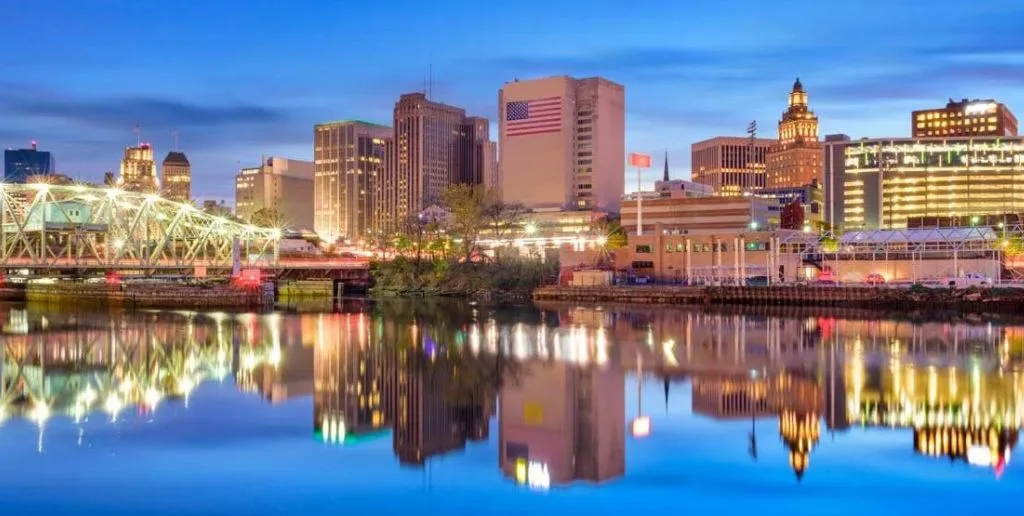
column 399, row 406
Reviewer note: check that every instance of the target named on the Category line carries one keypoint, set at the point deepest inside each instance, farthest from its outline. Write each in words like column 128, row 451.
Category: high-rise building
column 138, row 169
column 732, row 165
column 563, row 143
column 492, row 176
column 796, row 159
column 20, row 164
column 889, row 182
column 177, row 177
column 348, row 157
column 834, row 162
column 965, row 118
column 109, row 179
column 281, row 189
column 435, row 146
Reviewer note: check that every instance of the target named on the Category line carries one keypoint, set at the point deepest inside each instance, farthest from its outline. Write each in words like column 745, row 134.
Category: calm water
column 398, row 407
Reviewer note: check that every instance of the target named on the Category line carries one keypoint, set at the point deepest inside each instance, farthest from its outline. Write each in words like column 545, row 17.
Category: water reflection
column 431, row 378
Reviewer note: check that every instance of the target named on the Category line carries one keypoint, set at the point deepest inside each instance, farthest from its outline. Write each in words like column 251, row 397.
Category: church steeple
column 665, row 178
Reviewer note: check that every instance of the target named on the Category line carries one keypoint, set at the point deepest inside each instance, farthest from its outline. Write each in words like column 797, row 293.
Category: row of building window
column 704, row 248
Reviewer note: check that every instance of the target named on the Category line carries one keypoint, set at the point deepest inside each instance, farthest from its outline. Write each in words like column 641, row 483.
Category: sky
column 238, row 80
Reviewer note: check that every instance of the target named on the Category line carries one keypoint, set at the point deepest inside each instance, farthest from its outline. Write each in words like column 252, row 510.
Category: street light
column 753, row 225
column 531, row 228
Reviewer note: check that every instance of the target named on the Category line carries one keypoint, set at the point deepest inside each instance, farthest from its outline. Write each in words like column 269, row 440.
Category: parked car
column 875, row 279
column 971, row 279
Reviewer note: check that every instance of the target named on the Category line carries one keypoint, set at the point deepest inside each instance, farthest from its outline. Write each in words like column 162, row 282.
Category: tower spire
column 666, row 167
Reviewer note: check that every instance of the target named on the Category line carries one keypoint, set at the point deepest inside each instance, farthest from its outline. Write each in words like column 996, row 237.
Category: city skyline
column 234, row 98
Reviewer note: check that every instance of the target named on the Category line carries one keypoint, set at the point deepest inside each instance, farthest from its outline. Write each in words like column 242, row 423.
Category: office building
column 138, row 170
column 834, row 161
column 795, row 160
column 679, row 213
column 109, row 179
column 20, row 164
column 435, row 146
column 280, row 189
column 889, row 181
column 809, row 198
column 562, row 143
column 492, row 175
column 719, row 256
column 563, row 423
column 964, row 118
column 348, row 157
column 177, row 177
column 730, row 165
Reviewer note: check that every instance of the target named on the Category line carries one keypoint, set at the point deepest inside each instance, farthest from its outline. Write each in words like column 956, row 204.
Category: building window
column 643, row 249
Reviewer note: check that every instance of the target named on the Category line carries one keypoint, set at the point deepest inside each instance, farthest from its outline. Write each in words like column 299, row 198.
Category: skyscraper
column 731, row 164
column 435, row 145
column 348, row 156
column 138, row 170
column 177, row 177
column 281, row 188
column 562, row 142
column 796, row 159
column 20, row 164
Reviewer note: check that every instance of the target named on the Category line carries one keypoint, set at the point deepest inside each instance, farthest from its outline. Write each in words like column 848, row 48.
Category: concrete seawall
column 151, row 295
column 969, row 300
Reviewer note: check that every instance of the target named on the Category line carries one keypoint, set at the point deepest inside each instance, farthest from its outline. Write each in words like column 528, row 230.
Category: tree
column 502, row 218
column 467, row 206
column 267, row 218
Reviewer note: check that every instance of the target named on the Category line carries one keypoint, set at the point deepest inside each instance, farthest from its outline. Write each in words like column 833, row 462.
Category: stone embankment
column 1004, row 300
column 151, row 295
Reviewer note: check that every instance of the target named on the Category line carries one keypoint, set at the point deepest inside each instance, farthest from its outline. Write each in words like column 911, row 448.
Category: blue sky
column 240, row 79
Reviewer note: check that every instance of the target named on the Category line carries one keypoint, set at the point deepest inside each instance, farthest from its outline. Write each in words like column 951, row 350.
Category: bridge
column 48, row 229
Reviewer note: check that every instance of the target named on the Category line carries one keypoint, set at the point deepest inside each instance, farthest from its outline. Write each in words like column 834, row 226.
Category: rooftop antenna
column 138, row 135
column 174, row 138
column 430, row 81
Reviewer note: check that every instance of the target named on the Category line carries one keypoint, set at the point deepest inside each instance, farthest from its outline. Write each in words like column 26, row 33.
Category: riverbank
column 481, row 296
column 144, row 295
column 976, row 300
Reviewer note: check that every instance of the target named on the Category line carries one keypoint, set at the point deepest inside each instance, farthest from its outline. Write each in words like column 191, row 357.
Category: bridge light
column 112, row 193
column 117, row 244
column 152, row 197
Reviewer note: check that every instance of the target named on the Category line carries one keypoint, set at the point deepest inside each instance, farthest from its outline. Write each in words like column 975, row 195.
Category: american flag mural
column 537, row 116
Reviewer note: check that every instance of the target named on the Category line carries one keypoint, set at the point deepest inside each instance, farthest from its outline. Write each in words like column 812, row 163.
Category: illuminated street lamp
column 531, row 228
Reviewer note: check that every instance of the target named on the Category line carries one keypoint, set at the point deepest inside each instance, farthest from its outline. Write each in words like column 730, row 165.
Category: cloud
column 644, row 64
column 119, row 112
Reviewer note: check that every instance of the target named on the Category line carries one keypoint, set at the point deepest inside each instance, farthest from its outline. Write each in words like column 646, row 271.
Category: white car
column 971, row 279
